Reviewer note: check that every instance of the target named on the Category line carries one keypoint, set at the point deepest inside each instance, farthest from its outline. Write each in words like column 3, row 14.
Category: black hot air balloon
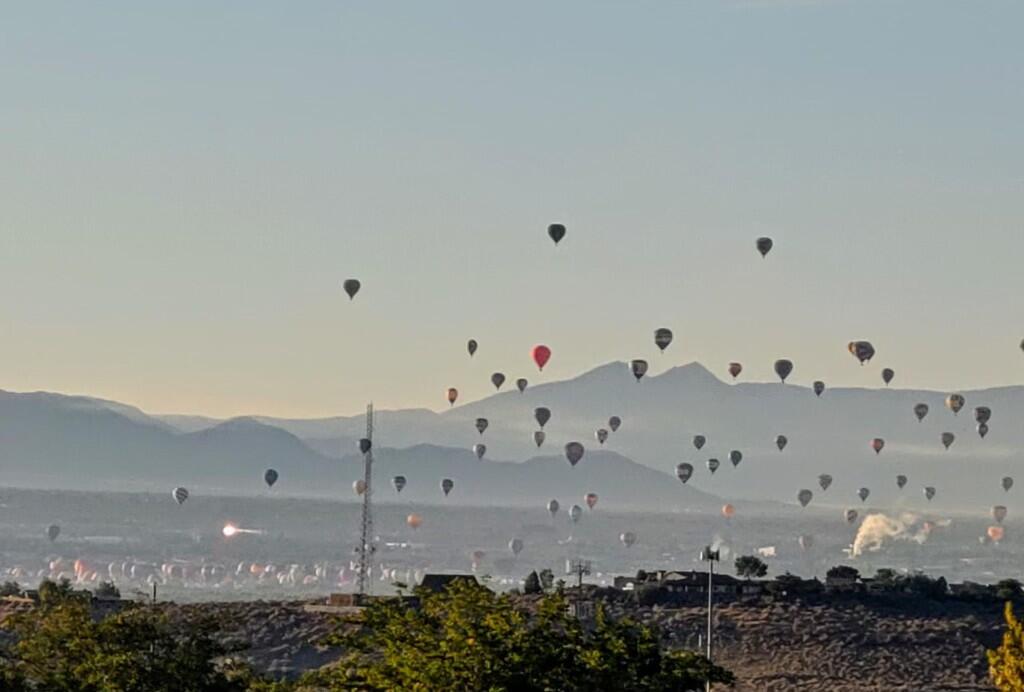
column 556, row 232
column 662, row 338
column 639, row 368
column 783, row 368
column 351, row 287
column 270, row 477
column 764, row 246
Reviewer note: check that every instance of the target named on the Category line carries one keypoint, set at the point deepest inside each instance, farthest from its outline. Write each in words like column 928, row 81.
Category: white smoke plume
column 876, row 529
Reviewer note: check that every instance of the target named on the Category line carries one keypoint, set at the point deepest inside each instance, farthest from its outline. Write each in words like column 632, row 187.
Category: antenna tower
column 366, row 547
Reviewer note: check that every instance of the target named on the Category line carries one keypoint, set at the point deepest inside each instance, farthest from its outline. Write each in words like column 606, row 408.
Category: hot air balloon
column 929, row 493
column 781, row 441
column 398, row 482
column 553, row 507
column 955, row 402
column 995, row 533
column 542, row 415
column 699, row 441
column 52, row 532
column 878, row 444
column 538, row 437
column 804, row 497
column 947, row 439
column 639, row 368
column 601, row 434
column 453, row 394
column 764, row 246
column 556, row 232
column 497, row 379
column 351, row 287
column 728, row 511
column 414, row 521
column 179, row 495
column 824, row 481
column 574, row 452
column 735, row 456
column 982, row 414
column 999, row 513
column 614, row 422
column 920, row 410
column 446, row 486
column 481, row 425
column 735, row 369
column 590, row 499
column 541, row 354
column 479, row 449
column 861, row 350
column 818, row 387
column 478, row 556
column 662, row 338
column 359, row 486
column 516, row 546
column 471, row 346
column 806, row 542
column 887, row 375
column 684, row 471
column 575, row 512
column 863, row 494
column 982, row 430
column 712, row 465
column 783, row 368
column 521, row 384
column 901, row 481
column 1007, row 483
column 851, row 516
column 270, row 477
column 365, row 445
column 628, row 538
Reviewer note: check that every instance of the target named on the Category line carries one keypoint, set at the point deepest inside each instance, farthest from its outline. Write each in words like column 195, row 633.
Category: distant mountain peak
column 693, row 371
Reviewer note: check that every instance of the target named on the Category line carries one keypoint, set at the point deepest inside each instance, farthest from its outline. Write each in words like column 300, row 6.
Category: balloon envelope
column 728, row 511
column 783, row 368
column 863, row 494
column 699, row 441
column 542, row 415
column 818, row 387
column 628, row 538
column 516, row 546
column 804, row 497
column 920, row 411
column 601, row 434
column 481, row 425
column 471, row 346
column 538, row 437
column 995, row 533
column 901, row 481
column 521, row 384
column 575, row 512
column 824, row 481
column 414, row 521
column 1007, row 483
column 684, row 471
column 453, row 394
column 479, row 449
column 365, row 445
column 764, row 246
column 712, row 465
column 878, row 444
column 574, row 452
column 639, row 368
column 446, row 486
column 498, row 379
column 590, row 499
column 982, row 414
column 614, row 422
column 399, row 483
column 541, row 354
column 553, row 507
column 929, row 493
column 556, row 232
column 781, row 441
column 955, row 402
column 999, row 513
column 52, row 532
column 662, row 338
column 735, row 369
column 735, row 456
column 851, row 516
column 270, row 477
column 982, row 430
column 806, row 541
column 861, row 350
column 947, row 439
column 351, row 287
column 887, row 375
column 179, row 495
column 359, row 486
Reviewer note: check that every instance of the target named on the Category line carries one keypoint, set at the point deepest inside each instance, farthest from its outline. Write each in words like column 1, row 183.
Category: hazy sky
column 184, row 188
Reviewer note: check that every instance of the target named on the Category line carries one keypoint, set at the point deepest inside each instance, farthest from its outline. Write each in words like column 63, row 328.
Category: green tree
column 10, row 588
column 52, row 593
column 547, row 579
column 1009, row 590
column 1006, row 663
column 842, row 572
column 106, row 589
column 751, row 567
column 532, row 584
column 469, row 638
column 59, row 648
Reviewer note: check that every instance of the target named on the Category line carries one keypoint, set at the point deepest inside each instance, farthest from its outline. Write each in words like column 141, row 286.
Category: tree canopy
column 469, row 638
column 1006, row 663
column 751, row 567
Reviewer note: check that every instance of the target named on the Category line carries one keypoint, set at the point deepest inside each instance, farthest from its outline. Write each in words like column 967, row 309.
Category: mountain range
column 52, row 440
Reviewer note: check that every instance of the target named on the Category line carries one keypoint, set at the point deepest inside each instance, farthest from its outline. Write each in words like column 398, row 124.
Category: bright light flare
column 230, row 530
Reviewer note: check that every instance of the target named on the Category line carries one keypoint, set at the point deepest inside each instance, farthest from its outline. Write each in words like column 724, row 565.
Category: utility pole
column 366, row 547
column 579, row 568
column 711, row 557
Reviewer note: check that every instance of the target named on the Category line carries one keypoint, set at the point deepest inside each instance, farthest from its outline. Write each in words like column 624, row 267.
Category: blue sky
column 185, row 187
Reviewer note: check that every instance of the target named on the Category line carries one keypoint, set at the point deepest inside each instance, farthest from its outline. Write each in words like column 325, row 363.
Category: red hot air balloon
column 877, row 444
column 541, row 354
